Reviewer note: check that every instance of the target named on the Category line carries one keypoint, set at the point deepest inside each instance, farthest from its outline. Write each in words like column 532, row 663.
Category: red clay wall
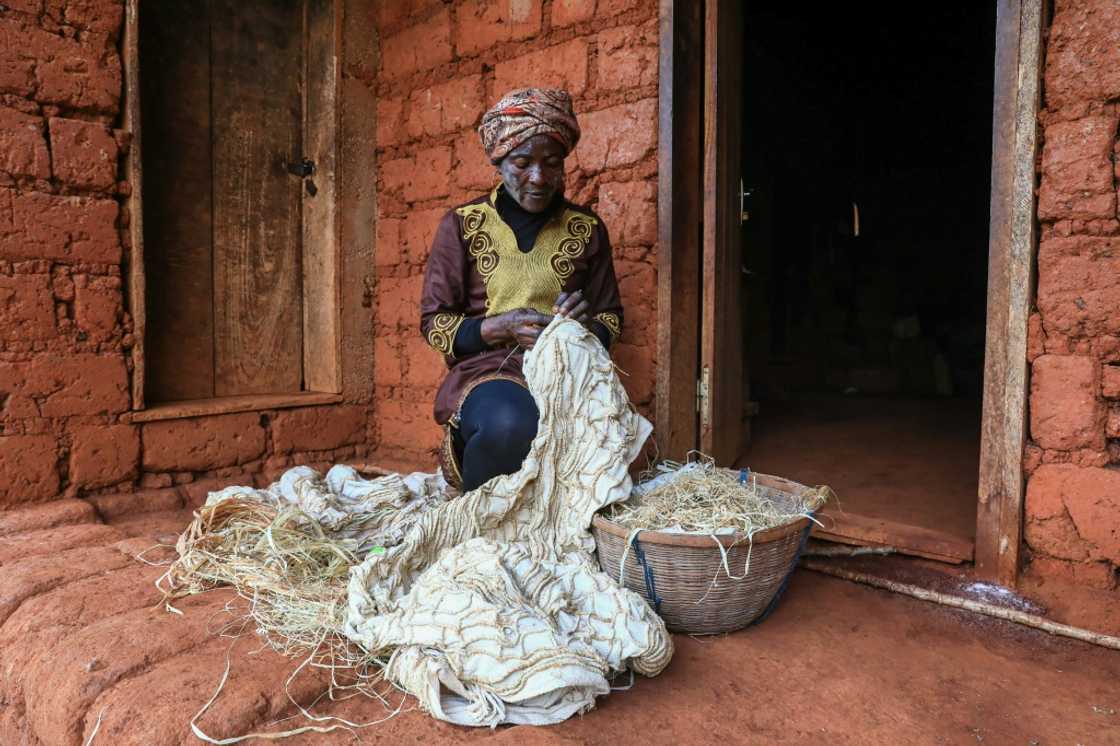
column 442, row 65
column 65, row 330
column 1073, row 493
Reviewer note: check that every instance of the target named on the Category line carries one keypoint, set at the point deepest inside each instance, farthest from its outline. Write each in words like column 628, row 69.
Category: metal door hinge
column 703, row 402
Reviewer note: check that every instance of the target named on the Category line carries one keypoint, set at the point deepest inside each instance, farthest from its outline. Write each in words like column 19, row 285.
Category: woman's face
column 533, row 172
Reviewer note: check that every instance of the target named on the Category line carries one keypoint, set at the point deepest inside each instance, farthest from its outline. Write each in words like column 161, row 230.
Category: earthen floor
column 82, row 636
column 910, row 461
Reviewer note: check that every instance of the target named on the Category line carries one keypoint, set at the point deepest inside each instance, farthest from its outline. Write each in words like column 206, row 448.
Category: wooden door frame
column 322, row 254
column 1012, row 244
column 723, row 427
column 679, row 220
column 1011, row 252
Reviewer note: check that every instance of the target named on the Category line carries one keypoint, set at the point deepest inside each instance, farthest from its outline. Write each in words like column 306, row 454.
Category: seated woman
column 501, row 267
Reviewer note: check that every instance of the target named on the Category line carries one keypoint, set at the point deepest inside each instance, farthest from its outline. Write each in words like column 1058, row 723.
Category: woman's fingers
column 536, row 318
column 570, row 302
column 579, row 313
column 527, row 334
column 526, row 324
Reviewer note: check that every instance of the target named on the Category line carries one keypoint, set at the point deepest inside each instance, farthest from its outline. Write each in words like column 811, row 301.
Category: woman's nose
column 537, row 177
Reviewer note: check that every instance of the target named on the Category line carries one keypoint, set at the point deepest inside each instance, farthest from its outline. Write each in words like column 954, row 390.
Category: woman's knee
column 508, row 429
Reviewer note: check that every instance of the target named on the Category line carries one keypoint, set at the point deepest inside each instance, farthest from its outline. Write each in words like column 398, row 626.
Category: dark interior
column 863, row 108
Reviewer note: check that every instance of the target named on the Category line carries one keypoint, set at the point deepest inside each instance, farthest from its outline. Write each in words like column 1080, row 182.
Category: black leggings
column 497, row 425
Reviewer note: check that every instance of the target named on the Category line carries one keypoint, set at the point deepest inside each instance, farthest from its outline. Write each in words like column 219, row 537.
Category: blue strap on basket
column 789, row 573
column 647, row 571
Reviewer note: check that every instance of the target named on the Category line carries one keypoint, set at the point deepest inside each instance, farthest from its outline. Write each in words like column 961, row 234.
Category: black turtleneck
column 526, row 225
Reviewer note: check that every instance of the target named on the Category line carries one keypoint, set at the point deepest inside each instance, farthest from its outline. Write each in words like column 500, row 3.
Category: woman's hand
column 573, row 306
column 521, row 326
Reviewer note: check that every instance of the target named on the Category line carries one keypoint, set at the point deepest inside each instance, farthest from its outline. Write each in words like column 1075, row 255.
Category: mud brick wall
column 1073, row 458
column 65, row 329
column 442, row 65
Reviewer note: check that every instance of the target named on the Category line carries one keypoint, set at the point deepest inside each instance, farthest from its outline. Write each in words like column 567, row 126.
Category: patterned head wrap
column 525, row 113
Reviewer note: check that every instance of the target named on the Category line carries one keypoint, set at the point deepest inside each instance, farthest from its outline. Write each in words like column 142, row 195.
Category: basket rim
column 654, row 536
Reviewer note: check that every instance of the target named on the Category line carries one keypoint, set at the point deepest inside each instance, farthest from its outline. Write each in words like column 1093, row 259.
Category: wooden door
column 680, row 212
column 722, row 384
column 257, row 120
column 226, row 108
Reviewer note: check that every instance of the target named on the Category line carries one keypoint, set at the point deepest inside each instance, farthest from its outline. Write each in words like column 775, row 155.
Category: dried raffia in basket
column 710, row 547
column 700, row 498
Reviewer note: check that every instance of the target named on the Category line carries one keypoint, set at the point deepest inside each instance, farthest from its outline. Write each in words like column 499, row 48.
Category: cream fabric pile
column 492, row 603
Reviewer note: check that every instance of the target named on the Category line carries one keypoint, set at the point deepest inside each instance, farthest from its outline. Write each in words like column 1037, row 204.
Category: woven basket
column 685, row 568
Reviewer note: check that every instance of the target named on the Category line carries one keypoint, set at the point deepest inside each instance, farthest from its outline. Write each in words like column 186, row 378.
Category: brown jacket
column 476, row 270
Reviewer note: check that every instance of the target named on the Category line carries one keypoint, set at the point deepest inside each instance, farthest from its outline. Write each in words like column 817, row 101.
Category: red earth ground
column 82, row 635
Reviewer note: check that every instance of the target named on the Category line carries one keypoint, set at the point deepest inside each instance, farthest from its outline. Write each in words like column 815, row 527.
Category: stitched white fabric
column 492, row 602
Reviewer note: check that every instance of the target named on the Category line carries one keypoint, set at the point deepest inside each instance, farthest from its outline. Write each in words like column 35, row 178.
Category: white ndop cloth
column 492, row 602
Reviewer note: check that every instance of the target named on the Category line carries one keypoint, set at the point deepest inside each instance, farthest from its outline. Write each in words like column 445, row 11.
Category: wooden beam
column 723, row 429
column 679, row 210
column 175, row 410
column 322, row 289
column 1012, row 238
column 849, row 528
column 137, row 297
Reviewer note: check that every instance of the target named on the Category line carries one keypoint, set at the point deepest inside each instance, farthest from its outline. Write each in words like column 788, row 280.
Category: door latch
column 744, row 194
column 303, row 169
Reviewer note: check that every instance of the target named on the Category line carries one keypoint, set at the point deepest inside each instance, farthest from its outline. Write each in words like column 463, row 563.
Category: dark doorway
column 867, row 158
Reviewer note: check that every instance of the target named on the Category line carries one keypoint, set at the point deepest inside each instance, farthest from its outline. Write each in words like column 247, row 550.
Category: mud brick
column 560, row 66
column 418, row 47
column 45, row 226
column 28, row 469
column 104, row 455
column 84, row 153
column 318, row 428
column 481, row 24
column 26, row 308
column 23, row 149
column 1065, row 409
column 202, row 443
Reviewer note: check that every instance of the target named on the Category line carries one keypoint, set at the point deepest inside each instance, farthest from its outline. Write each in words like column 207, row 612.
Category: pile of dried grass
column 293, row 578
column 698, row 497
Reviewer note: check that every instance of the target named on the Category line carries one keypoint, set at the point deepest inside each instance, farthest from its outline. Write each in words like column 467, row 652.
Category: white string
column 342, row 724
column 96, row 727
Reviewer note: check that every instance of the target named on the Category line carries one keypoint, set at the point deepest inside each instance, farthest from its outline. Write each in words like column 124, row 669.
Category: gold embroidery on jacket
column 479, row 243
column 517, row 279
column 612, row 322
column 441, row 334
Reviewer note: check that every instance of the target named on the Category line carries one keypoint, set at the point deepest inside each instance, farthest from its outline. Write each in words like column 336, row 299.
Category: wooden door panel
column 257, row 58
column 679, row 217
column 722, row 430
column 175, row 109
column 322, row 363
